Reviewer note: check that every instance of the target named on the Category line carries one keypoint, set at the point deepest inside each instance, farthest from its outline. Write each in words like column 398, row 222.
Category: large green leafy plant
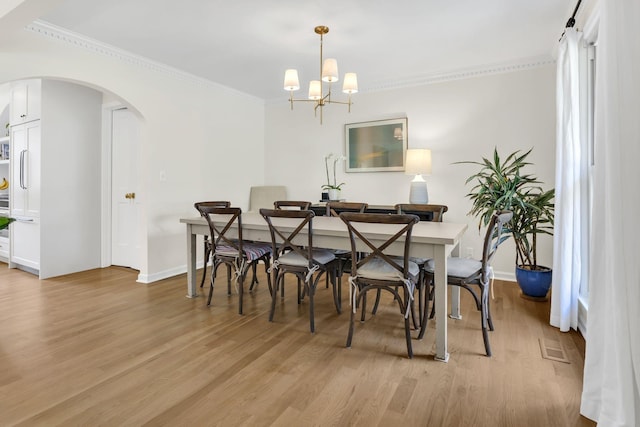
column 502, row 185
column 5, row 221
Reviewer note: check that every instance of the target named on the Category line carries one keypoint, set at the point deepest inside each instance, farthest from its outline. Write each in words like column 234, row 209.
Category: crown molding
column 77, row 40
column 466, row 73
column 60, row 34
column 521, row 64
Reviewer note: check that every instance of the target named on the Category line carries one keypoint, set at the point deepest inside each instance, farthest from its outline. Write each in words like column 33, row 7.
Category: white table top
column 439, row 233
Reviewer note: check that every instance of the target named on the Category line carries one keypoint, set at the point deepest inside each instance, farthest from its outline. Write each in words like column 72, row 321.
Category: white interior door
column 125, row 242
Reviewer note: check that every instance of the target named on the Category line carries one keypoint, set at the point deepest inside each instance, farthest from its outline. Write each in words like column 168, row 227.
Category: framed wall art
column 377, row 146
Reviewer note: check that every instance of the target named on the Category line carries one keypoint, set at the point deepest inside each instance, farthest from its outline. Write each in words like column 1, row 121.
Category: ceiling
column 248, row 44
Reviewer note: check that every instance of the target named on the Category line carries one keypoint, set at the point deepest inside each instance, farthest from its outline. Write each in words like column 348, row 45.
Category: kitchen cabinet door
column 25, row 101
column 25, row 243
column 25, row 170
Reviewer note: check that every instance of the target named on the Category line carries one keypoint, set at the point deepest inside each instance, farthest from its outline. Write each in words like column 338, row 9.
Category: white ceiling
column 247, row 44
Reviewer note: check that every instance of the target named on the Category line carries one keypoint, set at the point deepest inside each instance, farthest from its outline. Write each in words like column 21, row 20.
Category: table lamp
column 418, row 163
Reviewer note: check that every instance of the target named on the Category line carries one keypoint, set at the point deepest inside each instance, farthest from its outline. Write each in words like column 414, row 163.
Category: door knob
column 130, row 196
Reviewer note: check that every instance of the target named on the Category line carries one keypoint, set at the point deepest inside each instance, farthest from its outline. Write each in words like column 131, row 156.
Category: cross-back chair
column 376, row 269
column 294, row 254
column 426, row 212
column 292, row 205
column 335, row 209
column 207, row 243
column 469, row 273
column 228, row 248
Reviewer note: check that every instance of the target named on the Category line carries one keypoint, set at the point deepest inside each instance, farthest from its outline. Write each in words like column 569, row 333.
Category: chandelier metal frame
column 328, row 74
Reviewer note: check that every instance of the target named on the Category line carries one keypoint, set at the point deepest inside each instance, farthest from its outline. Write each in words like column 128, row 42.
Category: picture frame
column 376, row 146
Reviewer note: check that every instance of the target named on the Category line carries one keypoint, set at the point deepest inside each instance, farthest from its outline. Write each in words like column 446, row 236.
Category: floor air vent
column 552, row 349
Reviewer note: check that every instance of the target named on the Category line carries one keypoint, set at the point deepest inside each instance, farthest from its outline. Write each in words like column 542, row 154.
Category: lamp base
column 418, row 193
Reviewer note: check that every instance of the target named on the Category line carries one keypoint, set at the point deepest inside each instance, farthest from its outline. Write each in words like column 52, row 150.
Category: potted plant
column 501, row 184
column 332, row 187
column 5, row 221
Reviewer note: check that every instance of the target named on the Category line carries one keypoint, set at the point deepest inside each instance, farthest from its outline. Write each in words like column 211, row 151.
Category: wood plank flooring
column 97, row 348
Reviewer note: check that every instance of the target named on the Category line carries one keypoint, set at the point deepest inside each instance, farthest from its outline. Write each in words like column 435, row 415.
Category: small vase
column 334, row 194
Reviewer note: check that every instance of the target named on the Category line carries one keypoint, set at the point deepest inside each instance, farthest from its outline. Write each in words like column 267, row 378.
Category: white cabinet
column 25, row 194
column 25, row 243
column 25, row 101
column 4, row 248
column 25, row 170
column 4, row 200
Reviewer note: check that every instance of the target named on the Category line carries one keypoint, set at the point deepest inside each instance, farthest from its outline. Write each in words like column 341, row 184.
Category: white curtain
column 571, row 178
column 611, row 392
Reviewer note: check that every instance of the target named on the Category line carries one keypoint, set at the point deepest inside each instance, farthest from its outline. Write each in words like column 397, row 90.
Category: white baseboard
column 150, row 278
column 502, row 275
column 583, row 310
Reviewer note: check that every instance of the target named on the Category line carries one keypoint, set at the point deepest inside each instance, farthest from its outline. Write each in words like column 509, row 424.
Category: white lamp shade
column 315, row 91
column 291, row 81
column 418, row 162
column 330, row 70
column 350, row 84
column 397, row 133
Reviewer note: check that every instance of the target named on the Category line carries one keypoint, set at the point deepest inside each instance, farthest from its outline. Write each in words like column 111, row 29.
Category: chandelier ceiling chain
column 329, row 74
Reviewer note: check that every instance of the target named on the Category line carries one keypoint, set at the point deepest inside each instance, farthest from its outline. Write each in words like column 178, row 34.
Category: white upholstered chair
column 263, row 196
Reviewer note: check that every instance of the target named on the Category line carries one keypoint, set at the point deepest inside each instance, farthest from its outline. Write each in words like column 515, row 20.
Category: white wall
column 70, row 171
column 4, row 109
column 207, row 138
column 458, row 120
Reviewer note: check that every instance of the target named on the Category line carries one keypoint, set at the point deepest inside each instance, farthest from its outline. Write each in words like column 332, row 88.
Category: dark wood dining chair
column 344, row 256
column 377, row 269
column 336, row 208
column 231, row 250
column 426, row 212
column 469, row 273
column 304, row 261
column 299, row 205
column 207, row 243
column 292, row 204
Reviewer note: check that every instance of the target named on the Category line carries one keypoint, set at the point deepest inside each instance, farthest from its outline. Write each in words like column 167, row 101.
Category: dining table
column 435, row 240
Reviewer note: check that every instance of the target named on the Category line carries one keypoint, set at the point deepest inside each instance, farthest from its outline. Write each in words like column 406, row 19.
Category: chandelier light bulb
column 291, row 81
column 350, row 84
column 330, row 70
column 314, row 90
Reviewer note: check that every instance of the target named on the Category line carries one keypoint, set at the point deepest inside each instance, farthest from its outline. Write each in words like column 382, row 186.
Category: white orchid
column 336, row 158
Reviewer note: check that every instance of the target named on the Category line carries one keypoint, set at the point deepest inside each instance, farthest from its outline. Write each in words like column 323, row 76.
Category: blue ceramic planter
column 534, row 283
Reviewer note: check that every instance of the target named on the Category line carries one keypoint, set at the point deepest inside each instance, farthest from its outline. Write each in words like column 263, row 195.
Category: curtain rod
column 572, row 20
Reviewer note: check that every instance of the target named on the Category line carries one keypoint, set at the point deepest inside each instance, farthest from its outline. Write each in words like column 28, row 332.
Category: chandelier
column 328, row 74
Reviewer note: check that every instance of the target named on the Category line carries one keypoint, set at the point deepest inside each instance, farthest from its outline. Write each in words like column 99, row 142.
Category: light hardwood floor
column 97, row 348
